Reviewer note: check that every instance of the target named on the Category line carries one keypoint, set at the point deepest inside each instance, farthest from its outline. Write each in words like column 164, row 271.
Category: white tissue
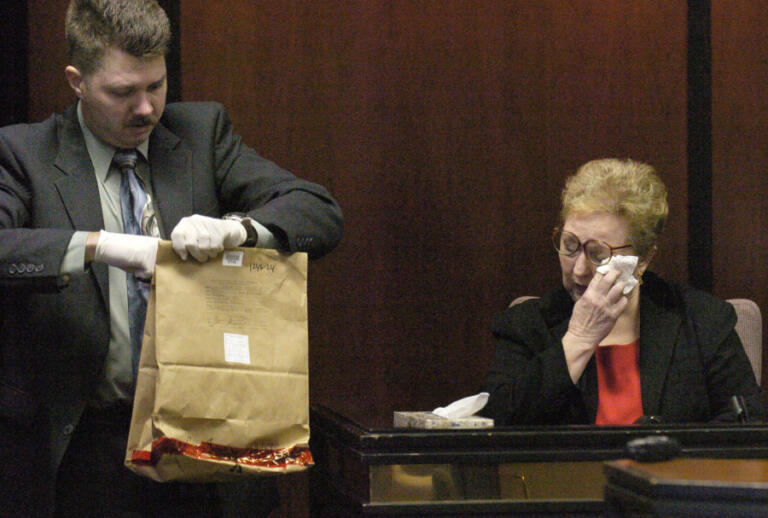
column 626, row 264
column 464, row 407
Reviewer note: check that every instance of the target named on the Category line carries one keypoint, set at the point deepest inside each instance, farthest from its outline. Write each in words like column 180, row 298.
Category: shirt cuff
column 74, row 257
column 266, row 238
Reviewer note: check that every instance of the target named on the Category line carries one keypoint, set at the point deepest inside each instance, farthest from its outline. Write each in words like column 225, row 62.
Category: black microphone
column 654, row 448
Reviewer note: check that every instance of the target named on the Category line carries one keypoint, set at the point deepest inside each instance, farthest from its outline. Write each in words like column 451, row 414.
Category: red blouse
column 618, row 382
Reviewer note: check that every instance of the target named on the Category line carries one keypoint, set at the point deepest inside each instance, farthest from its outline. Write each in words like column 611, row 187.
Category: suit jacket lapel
column 77, row 187
column 659, row 334
column 174, row 197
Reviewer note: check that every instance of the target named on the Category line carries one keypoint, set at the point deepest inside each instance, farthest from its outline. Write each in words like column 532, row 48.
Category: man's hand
column 134, row 254
column 204, row 237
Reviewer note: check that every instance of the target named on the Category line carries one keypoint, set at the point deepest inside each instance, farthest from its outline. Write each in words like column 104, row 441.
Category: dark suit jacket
column 55, row 328
column 691, row 361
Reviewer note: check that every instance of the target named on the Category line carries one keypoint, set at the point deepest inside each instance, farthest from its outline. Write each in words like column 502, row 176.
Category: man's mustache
column 147, row 120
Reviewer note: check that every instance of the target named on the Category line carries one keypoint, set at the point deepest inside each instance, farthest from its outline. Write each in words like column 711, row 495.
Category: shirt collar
column 100, row 152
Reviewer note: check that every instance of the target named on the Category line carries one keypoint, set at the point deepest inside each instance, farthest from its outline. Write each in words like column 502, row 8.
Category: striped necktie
column 133, row 201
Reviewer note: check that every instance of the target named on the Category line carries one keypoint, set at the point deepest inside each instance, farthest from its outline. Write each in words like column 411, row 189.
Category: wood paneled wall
column 445, row 129
column 13, row 56
column 47, row 57
column 740, row 153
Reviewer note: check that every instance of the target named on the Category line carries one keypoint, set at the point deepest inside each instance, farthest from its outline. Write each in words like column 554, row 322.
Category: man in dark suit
column 66, row 378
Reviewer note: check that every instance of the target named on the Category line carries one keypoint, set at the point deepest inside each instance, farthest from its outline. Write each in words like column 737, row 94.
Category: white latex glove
column 134, row 254
column 205, row 237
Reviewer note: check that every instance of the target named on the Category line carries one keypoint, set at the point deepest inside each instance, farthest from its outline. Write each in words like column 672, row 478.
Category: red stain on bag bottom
column 280, row 458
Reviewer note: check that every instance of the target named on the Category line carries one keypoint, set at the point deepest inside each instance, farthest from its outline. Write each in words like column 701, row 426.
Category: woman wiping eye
column 616, row 344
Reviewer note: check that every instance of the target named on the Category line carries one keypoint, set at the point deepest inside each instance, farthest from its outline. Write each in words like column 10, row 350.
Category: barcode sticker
column 232, row 258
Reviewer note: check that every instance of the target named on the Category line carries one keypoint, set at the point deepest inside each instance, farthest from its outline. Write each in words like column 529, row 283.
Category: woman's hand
column 594, row 315
column 596, row 312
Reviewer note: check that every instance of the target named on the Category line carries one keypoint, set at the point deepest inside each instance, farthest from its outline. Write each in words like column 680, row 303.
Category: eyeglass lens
column 568, row 244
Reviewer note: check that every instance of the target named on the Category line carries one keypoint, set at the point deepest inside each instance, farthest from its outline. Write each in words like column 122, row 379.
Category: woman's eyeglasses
column 569, row 245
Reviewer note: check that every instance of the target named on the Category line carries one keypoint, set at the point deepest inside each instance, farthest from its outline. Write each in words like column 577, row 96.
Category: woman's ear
column 642, row 265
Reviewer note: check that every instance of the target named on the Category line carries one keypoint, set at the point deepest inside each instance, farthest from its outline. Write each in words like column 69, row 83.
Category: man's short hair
column 137, row 27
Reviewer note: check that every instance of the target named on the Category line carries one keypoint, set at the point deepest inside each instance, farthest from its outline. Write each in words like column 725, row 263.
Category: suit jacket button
column 12, row 269
column 39, row 268
column 68, row 429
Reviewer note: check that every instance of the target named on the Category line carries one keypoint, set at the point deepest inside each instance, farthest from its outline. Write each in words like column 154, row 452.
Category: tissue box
column 430, row 420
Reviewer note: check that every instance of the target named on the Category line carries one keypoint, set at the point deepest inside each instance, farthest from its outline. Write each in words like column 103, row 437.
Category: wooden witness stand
column 366, row 469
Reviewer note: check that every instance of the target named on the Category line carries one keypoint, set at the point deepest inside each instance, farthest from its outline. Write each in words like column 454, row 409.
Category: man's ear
column 75, row 80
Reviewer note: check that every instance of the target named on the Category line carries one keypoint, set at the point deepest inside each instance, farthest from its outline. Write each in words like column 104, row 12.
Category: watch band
column 251, row 236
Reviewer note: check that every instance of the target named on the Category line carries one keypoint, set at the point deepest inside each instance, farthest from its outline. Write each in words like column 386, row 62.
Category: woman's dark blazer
column 691, row 361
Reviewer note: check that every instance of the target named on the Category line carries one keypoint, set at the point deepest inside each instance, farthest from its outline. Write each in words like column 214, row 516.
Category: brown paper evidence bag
column 222, row 389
